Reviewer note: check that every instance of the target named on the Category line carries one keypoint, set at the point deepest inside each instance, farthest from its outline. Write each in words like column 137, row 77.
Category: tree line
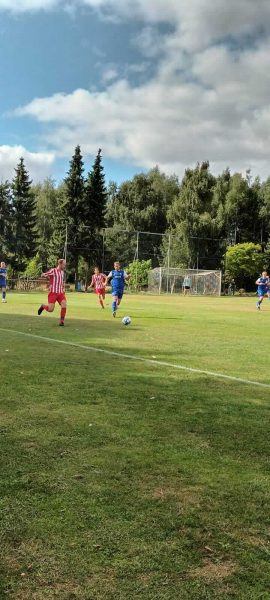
column 194, row 220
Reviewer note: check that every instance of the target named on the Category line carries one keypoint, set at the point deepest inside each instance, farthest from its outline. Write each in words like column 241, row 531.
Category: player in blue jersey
column 117, row 277
column 3, row 280
column 263, row 283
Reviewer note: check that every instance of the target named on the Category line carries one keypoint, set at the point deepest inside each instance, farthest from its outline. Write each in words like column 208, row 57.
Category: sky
column 151, row 82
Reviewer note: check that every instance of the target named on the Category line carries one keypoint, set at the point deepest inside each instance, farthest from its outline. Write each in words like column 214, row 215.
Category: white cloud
column 204, row 101
column 38, row 164
column 109, row 74
column 28, row 5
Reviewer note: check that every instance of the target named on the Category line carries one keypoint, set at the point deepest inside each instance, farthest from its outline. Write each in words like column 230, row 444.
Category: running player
column 118, row 277
column 98, row 282
column 56, row 290
column 263, row 283
column 3, row 280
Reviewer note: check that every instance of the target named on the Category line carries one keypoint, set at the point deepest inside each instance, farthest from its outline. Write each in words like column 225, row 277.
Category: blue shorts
column 118, row 293
column 3, row 283
column 263, row 290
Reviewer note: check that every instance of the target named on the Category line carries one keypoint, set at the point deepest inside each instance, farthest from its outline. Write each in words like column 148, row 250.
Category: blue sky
column 150, row 82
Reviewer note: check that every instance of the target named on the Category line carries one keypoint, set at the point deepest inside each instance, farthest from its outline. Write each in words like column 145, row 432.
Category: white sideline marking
column 149, row 361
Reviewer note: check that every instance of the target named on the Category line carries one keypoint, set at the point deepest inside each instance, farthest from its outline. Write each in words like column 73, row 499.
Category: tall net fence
column 163, row 249
column 196, row 282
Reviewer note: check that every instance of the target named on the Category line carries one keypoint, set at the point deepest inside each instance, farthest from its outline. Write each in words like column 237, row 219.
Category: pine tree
column 96, row 194
column 24, row 232
column 74, row 209
column 95, row 205
column 5, row 218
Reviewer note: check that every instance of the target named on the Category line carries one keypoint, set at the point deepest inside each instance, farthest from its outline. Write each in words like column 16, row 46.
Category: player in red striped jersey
column 56, row 290
column 98, row 282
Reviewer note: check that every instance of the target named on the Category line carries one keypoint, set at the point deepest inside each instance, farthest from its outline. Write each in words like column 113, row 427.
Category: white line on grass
column 149, row 361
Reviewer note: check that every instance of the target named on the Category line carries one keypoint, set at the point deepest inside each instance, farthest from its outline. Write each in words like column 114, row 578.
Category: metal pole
column 103, row 250
column 168, row 263
column 137, row 258
column 66, row 243
column 160, row 280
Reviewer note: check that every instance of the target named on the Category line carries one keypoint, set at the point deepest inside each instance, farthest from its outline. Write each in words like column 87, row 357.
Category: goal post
column 173, row 280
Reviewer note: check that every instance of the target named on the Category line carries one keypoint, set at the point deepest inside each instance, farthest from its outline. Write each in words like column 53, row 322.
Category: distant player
column 117, row 277
column 98, row 282
column 187, row 285
column 263, row 283
column 56, row 290
column 3, row 280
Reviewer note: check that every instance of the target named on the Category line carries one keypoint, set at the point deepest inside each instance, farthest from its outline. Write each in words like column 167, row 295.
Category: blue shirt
column 3, row 272
column 263, row 282
column 118, row 279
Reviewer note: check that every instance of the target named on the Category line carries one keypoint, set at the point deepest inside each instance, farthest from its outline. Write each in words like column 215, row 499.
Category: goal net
column 170, row 281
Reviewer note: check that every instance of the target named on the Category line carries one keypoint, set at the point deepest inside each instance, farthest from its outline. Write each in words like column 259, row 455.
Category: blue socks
column 114, row 306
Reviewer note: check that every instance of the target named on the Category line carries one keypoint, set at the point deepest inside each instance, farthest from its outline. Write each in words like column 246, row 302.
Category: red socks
column 63, row 313
column 101, row 303
column 45, row 306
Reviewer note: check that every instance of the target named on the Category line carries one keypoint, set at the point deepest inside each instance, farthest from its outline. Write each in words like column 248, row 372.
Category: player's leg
column 114, row 303
column 4, row 294
column 48, row 307
column 63, row 304
column 119, row 297
column 259, row 301
column 100, row 297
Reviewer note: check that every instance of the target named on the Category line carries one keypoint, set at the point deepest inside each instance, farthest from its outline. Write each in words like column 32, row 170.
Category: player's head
column 96, row 270
column 3, row 264
column 264, row 274
column 116, row 265
column 61, row 264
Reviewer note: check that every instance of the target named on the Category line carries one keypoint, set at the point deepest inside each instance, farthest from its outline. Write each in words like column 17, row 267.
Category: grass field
column 125, row 479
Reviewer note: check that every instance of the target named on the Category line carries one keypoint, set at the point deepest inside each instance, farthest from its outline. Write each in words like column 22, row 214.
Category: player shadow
column 48, row 325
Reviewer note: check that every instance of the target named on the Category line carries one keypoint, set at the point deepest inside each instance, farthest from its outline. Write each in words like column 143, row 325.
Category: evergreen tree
column 5, row 218
column 73, row 210
column 191, row 219
column 24, row 231
column 58, row 225
column 46, row 198
column 140, row 205
column 96, row 194
column 95, row 204
column 241, row 210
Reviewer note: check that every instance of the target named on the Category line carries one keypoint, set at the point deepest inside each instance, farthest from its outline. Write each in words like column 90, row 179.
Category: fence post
column 160, row 280
column 168, row 262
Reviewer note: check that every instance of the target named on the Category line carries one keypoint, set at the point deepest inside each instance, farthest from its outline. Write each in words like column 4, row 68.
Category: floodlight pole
column 168, row 262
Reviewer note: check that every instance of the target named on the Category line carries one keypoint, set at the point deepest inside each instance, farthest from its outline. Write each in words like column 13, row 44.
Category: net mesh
column 176, row 280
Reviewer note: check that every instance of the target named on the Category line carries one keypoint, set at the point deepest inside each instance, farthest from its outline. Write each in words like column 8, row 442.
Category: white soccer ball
column 126, row 320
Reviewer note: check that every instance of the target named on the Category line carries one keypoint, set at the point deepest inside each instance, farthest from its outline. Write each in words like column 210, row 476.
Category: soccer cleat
column 40, row 310
column 258, row 306
column 4, row 301
column 114, row 313
column 61, row 324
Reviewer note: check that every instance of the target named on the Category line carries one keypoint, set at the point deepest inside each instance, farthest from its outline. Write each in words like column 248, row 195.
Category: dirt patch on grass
column 185, row 497
column 213, row 571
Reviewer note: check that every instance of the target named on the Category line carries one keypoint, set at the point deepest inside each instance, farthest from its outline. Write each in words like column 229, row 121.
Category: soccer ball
column 126, row 321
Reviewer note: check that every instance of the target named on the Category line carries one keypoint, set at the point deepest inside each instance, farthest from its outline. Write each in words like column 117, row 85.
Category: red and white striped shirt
column 98, row 280
column 56, row 280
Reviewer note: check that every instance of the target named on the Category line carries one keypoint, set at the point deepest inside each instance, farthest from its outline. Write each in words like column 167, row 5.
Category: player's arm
column 258, row 282
column 126, row 276
column 47, row 274
column 108, row 278
column 90, row 285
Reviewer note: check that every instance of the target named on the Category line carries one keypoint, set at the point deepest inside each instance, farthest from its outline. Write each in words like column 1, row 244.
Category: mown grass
column 124, row 480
